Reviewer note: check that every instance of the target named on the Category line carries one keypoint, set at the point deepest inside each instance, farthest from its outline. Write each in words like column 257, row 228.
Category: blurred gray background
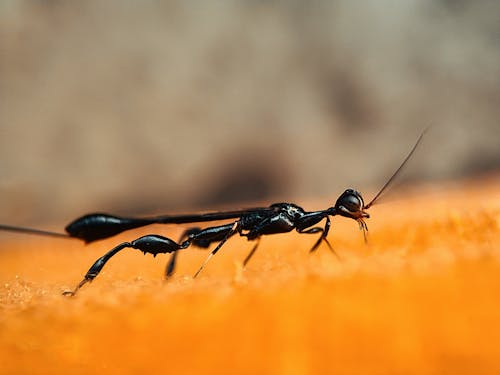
column 144, row 106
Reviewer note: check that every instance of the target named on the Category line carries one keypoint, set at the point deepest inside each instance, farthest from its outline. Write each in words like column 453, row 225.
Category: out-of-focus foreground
column 420, row 298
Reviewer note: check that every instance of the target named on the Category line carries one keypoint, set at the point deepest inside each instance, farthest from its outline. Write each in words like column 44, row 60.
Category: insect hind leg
column 152, row 244
column 190, row 232
column 223, row 231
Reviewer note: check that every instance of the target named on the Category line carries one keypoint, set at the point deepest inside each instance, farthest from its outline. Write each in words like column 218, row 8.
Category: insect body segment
column 93, row 227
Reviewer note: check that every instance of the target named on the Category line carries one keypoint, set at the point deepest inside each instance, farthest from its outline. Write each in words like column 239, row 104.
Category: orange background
column 420, row 298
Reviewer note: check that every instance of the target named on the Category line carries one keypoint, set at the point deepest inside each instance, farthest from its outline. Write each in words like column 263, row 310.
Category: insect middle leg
column 279, row 223
column 251, row 253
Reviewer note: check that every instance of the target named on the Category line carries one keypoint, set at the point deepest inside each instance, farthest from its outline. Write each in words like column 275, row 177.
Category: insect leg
column 251, row 253
column 279, row 223
column 170, row 268
column 192, row 233
column 233, row 229
column 152, row 244
column 324, row 233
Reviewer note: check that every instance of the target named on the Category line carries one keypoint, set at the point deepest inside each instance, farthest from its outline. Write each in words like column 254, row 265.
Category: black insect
column 250, row 223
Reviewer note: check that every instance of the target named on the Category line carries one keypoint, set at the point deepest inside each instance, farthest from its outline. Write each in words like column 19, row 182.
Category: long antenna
column 33, row 231
column 396, row 173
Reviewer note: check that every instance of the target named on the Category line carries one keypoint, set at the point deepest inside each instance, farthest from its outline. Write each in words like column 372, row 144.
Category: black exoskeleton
column 251, row 223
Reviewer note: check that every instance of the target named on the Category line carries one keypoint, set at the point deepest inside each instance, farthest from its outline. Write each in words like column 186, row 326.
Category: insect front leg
column 323, row 237
column 152, row 244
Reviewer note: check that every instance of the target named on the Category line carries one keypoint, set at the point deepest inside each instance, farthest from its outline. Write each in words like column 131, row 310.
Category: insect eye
column 350, row 200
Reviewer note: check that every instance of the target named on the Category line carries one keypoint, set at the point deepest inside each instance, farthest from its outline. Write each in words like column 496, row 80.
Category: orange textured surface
column 420, row 298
